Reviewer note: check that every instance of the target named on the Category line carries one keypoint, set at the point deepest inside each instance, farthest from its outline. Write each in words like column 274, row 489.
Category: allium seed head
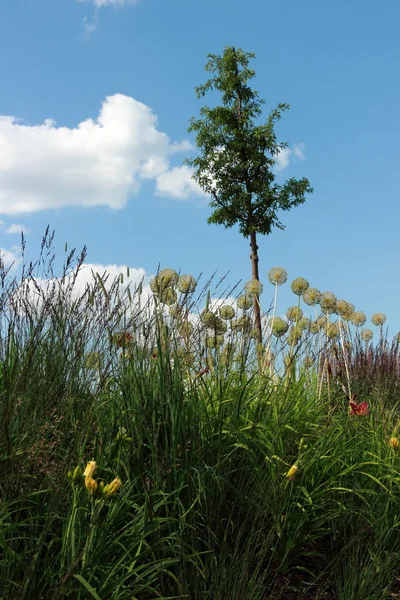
column 311, row 296
column 168, row 296
column 304, row 324
column 366, row 335
column 344, row 308
column 208, row 318
column 175, row 311
column 279, row 327
column 245, row 301
column 168, row 277
column 327, row 302
column 277, row 276
column 186, row 284
column 215, row 341
column 294, row 313
column 358, row 318
column 219, row 326
column 294, row 335
column 254, row 287
column 227, row 312
column 333, row 330
column 299, row 286
column 378, row 319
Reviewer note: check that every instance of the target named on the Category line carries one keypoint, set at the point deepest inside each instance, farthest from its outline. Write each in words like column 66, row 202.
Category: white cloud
column 284, row 157
column 178, row 183
column 11, row 257
column 17, row 228
column 90, row 25
column 98, row 163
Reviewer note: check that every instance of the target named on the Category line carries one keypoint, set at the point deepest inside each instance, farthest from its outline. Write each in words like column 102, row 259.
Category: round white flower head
column 245, row 301
column 254, row 287
column 299, row 286
column 378, row 319
column 227, row 312
column 327, row 302
column 294, row 313
column 279, row 327
column 358, row 318
column 277, row 276
column 366, row 335
column 311, row 296
column 186, row 284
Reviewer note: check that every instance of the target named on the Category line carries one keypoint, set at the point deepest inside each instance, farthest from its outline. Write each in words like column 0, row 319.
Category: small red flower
column 123, row 338
column 359, row 409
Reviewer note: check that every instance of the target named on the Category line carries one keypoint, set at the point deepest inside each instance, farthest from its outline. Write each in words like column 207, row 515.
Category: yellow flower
column 112, row 488
column 292, row 472
column 394, row 442
column 91, row 485
column 90, row 469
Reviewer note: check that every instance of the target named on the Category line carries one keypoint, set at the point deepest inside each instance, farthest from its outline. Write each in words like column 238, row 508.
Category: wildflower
column 299, row 286
column 327, row 302
column 344, row 309
column 294, row 335
column 254, row 287
column 227, row 312
column 215, row 341
column 277, row 276
column 333, row 330
column 394, row 442
column 358, row 409
column 219, row 326
column 318, row 324
column 208, row 318
column 91, row 485
column 76, row 475
column 279, row 327
column 294, row 313
column 168, row 277
column 311, row 296
column 378, row 319
column 112, row 488
column 122, row 338
column 90, row 469
column 291, row 474
column 304, row 324
column 245, row 301
column 358, row 318
column 168, row 296
column 186, row 284
column 366, row 335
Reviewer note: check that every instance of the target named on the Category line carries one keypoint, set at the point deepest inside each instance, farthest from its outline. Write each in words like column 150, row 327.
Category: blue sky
column 115, row 183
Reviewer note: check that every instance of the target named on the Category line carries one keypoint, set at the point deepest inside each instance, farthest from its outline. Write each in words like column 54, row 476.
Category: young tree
column 237, row 157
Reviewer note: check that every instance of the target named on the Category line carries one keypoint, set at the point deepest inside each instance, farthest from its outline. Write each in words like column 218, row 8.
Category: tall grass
column 202, row 440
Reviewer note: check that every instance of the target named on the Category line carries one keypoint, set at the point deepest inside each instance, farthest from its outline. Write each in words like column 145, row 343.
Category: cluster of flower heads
column 95, row 489
column 329, row 305
column 167, row 283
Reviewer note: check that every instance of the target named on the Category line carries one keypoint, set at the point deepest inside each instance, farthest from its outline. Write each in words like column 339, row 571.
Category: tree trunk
column 254, row 269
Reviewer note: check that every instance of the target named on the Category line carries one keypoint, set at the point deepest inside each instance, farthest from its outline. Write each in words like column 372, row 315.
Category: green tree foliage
column 237, row 156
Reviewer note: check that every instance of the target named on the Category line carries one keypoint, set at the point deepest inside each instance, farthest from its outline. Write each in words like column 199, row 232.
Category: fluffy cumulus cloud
column 287, row 154
column 100, row 162
column 17, row 228
column 10, row 258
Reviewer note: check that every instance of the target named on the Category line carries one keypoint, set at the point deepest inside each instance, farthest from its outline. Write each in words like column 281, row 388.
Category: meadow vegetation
column 151, row 448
